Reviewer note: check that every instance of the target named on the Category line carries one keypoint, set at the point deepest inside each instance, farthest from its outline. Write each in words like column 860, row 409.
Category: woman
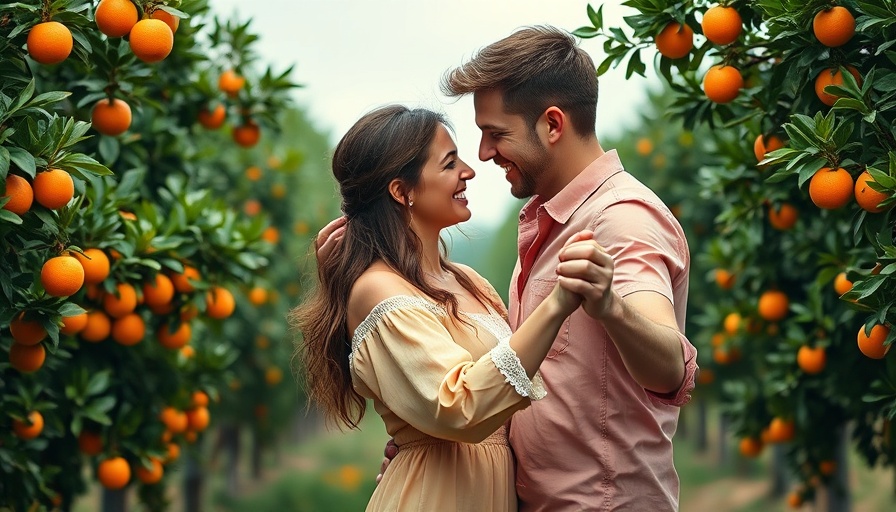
column 426, row 340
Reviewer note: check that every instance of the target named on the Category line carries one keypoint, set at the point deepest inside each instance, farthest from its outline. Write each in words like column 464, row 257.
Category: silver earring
column 410, row 204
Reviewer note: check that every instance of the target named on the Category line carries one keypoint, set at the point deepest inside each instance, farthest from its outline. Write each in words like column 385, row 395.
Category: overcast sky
column 355, row 55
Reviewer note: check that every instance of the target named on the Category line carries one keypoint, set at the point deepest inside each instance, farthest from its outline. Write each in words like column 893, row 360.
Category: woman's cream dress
column 445, row 391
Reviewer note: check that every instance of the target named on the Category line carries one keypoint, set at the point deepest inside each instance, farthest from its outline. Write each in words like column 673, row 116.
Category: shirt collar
column 570, row 198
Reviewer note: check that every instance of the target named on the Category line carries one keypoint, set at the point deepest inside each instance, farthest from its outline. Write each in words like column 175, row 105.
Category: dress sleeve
column 405, row 356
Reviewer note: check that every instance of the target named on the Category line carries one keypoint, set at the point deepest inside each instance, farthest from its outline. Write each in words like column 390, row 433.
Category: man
column 621, row 366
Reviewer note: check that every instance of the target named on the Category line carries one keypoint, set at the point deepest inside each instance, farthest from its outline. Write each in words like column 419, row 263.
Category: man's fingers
column 391, row 450
column 585, row 234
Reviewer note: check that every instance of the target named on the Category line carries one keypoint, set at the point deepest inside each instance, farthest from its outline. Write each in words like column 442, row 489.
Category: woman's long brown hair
column 389, row 143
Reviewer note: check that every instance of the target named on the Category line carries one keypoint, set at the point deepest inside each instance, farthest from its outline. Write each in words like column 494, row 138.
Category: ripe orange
column 174, row 419
column 722, row 25
column 212, row 119
column 827, row 467
column 273, row 376
column 95, row 263
column 199, row 399
column 795, row 499
column 253, row 173
column 722, row 83
column 781, row 430
column 73, row 324
column 53, row 188
column 750, row 447
column 675, row 40
column 111, row 117
column 271, row 234
column 724, row 279
column 644, row 146
column 773, row 305
column 258, row 295
column 763, row 146
column 153, row 474
column 230, row 82
column 90, row 443
column 114, row 473
column 173, row 453
column 252, row 207
column 706, row 376
column 842, row 284
column 183, row 282
column 26, row 332
column 27, row 358
column 98, row 327
column 115, row 18
column 49, row 42
column 732, row 323
column 219, row 303
column 158, row 291
column 867, row 197
column 129, row 330
column 811, row 360
column 151, row 40
column 121, row 302
column 187, row 352
column 834, row 27
column 172, row 338
column 171, row 20
column 20, row 193
column 832, row 76
column 247, row 134
column 31, row 428
column 62, row 276
column 831, row 188
column 198, row 419
column 783, row 217
column 871, row 344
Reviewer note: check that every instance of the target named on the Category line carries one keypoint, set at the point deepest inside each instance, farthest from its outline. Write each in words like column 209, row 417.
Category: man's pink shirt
column 599, row 441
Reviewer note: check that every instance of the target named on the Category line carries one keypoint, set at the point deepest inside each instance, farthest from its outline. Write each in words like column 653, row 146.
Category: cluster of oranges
column 52, row 189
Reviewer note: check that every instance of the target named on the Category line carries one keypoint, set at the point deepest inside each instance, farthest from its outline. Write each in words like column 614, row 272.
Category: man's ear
column 397, row 191
column 555, row 119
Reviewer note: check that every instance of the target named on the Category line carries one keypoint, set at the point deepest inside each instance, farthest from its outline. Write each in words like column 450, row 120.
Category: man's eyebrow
column 448, row 156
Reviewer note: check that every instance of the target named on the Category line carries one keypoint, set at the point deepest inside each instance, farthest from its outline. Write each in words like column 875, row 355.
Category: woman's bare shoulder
column 375, row 285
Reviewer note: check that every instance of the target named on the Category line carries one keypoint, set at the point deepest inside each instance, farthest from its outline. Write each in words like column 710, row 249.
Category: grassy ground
column 334, row 471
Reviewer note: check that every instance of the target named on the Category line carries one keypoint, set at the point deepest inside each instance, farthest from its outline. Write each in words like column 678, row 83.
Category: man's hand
column 389, row 453
column 586, row 269
column 328, row 238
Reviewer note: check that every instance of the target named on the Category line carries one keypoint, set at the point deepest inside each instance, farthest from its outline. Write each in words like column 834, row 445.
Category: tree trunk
column 780, row 472
column 723, row 440
column 701, row 443
column 257, row 446
column 114, row 501
column 835, row 497
column 193, row 480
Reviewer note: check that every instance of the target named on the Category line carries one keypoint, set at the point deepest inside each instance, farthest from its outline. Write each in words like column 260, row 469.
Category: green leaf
column 23, row 160
column 4, row 162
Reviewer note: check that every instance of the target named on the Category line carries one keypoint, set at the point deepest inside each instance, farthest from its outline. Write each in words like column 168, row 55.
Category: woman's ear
column 396, row 190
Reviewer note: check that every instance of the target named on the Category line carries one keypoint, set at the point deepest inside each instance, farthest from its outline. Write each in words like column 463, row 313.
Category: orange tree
column 123, row 256
column 799, row 97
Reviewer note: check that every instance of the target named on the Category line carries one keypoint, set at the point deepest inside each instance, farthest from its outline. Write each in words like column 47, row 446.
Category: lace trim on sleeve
column 384, row 307
column 509, row 365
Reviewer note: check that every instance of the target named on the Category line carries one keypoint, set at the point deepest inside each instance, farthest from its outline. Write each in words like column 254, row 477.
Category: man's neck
column 572, row 158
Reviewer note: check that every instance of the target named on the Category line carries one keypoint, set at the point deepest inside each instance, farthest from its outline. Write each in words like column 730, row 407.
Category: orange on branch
column 151, row 40
column 174, row 336
column 115, row 18
column 867, row 197
column 750, row 447
column 834, row 27
column 26, row 332
column 49, row 42
column 833, row 76
column 111, row 117
column 20, row 193
column 90, row 443
column 230, row 82
column 73, row 324
column 773, row 305
column 219, row 303
column 675, row 40
column 212, row 119
column 183, row 282
column 53, row 188
column 114, row 473
column 129, row 329
column 831, row 188
column 722, row 25
column 247, row 134
column 171, row 20
column 158, row 291
column 96, row 265
column 725, row 279
column 872, row 344
column 62, row 276
column 153, row 474
column 722, row 83
column 98, row 327
column 783, row 217
column 763, row 146
column 31, row 428
column 811, row 360
column 27, row 358
column 120, row 302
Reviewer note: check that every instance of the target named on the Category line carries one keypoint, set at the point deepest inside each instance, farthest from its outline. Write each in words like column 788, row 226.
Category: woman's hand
column 328, row 238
